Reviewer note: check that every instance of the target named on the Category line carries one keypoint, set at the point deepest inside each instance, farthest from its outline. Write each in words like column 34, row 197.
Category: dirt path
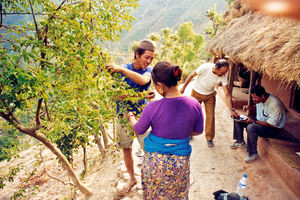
column 220, row 167
column 212, row 169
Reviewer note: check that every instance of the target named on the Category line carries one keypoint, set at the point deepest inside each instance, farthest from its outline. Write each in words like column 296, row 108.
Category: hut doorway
column 296, row 99
column 241, row 80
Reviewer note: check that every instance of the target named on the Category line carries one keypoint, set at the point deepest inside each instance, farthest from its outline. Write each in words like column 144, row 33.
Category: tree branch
column 3, row 36
column 43, row 54
column 51, row 109
column 37, row 115
column 45, row 39
column 47, row 112
column 7, row 117
column 77, row 2
column 25, row 14
column 62, row 3
column 35, row 22
column 15, row 28
column 50, row 176
column 30, row 131
column 1, row 17
column 13, row 121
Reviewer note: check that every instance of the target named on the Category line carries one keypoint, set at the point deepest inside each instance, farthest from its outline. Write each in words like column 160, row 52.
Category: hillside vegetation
column 154, row 15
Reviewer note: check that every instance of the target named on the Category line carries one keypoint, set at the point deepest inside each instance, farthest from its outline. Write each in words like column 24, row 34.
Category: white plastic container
column 241, row 185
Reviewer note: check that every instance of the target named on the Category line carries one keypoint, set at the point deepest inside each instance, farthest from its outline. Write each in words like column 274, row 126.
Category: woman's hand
column 182, row 90
column 132, row 120
column 129, row 114
column 195, row 134
column 150, row 95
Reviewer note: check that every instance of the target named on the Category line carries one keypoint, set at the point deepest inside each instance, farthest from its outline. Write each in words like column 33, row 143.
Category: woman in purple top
column 173, row 119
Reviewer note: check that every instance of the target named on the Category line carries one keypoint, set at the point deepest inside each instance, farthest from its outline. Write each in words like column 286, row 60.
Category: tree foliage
column 9, row 177
column 229, row 2
column 52, row 73
column 183, row 47
column 9, row 144
column 216, row 21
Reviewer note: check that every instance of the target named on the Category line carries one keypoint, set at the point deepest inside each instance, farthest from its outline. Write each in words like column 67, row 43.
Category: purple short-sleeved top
column 172, row 118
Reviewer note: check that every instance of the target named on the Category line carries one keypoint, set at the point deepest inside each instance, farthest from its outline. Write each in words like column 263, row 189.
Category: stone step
column 288, row 174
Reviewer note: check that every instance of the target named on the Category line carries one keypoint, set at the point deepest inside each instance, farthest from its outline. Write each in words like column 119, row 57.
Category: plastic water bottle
column 242, row 185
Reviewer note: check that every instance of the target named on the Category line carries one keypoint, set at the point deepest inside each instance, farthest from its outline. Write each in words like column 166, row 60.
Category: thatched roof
column 262, row 43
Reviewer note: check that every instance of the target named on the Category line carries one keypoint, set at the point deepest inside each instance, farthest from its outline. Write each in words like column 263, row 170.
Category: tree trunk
column 64, row 161
column 98, row 142
column 114, row 130
column 104, row 135
column 84, row 160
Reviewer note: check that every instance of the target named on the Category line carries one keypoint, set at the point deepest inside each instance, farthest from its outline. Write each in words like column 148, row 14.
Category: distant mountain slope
column 153, row 15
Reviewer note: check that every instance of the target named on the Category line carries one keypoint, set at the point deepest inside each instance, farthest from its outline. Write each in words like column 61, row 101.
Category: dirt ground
column 221, row 167
column 212, row 169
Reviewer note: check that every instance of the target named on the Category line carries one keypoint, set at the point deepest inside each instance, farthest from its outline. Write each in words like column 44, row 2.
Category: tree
column 216, row 21
column 52, row 70
column 229, row 2
column 183, row 47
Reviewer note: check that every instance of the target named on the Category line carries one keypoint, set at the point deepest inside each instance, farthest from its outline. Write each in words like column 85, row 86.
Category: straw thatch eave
column 262, row 43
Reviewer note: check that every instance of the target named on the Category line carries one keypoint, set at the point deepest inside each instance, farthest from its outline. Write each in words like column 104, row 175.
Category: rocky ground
column 212, row 169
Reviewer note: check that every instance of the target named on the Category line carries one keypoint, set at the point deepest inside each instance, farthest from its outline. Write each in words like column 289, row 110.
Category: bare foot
column 123, row 192
column 130, row 185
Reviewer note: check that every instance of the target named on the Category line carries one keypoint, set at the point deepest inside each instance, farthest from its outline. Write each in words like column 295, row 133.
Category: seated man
column 270, row 118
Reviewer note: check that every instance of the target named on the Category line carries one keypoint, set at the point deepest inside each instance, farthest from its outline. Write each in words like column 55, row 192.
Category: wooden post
column 251, row 111
column 232, row 74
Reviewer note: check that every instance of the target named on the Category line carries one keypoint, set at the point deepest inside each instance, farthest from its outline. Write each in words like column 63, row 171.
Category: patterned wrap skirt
column 165, row 176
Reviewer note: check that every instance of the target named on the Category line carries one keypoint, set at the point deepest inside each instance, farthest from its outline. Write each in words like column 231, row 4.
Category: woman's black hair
column 166, row 73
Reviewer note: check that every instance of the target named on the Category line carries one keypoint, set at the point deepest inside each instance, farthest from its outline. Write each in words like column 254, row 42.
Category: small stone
column 137, row 172
column 121, row 185
column 126, row 176
column 139, row 188
column 122, row 168
column 140, row 192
